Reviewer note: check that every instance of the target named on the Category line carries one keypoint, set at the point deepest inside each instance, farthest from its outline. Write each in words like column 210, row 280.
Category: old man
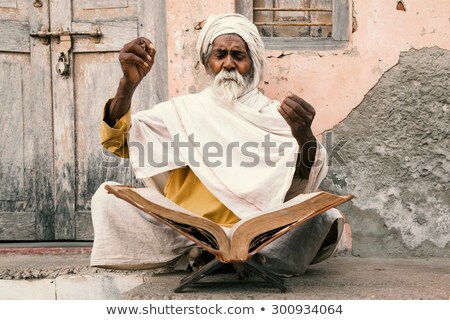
column 264, row 154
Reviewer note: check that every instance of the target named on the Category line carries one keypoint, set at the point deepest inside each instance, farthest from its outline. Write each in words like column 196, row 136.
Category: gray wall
column 396, row 160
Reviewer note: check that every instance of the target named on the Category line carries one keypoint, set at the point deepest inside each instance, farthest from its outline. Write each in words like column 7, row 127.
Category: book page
column 296, row 200
column 202, row 231
column 227, row 231
column 159, row 199
column 250, row 235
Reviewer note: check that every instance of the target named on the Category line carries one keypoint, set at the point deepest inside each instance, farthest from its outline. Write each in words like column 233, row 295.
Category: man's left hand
column 299, row 114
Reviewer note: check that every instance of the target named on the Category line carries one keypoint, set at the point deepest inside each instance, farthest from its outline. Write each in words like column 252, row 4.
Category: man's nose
column 228, row 63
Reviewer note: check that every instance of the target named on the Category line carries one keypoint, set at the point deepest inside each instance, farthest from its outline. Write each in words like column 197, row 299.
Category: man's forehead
column 228, row 40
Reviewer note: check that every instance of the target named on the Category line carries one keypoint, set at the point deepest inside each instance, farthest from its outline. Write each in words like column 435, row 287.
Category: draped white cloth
column 244, row 154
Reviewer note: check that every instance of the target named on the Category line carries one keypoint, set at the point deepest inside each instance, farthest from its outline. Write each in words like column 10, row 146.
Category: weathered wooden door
column 51, row 162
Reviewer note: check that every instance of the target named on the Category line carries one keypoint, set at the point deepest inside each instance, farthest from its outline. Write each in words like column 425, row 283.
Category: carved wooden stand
column 215, row 264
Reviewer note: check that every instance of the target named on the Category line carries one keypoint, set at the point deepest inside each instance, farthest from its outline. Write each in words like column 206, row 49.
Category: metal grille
column 293, row 18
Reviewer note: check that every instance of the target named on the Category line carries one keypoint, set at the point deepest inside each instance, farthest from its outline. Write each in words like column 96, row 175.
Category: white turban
column 217, row 25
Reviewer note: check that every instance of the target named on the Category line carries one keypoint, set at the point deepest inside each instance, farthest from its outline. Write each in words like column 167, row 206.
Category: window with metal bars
column 299, row 24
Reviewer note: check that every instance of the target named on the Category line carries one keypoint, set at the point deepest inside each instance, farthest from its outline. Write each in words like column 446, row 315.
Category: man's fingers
column 136, row 59
column 295, row 105
column 300, row 110
column 133, row 58
column 284, row 115
column 142, row 47
column 295, row 109
column 126, row 47
column 148, row 46
column 283, row 111
column 293, row 115
column 143, row 40
column 302, row 102
column 139, row 51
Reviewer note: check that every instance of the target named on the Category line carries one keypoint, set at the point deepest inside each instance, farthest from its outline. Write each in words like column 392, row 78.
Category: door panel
column 118, row 20
column 25, row 125
column 115, row 35
column 8, row 4
column 14, row 35
column 81, row 164
column 103, row 9
column 11, row 147
column 94, row 165
column 14, row 26
column 51, row 162
column 15, row 168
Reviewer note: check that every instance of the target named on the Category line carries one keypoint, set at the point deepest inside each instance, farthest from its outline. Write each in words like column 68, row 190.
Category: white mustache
column 229, row 85
column 225, row 75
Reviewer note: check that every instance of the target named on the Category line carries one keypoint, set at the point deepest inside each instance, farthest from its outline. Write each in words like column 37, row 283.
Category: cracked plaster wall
column 396, row 160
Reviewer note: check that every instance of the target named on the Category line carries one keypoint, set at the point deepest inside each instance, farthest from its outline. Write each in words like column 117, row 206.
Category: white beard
column 230, row 85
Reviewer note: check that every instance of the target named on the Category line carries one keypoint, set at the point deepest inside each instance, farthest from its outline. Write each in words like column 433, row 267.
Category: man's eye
column 237, row 55
column 220, row 55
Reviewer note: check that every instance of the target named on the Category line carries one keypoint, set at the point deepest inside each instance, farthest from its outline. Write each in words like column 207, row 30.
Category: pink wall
column 334, row 82
column 186, row 74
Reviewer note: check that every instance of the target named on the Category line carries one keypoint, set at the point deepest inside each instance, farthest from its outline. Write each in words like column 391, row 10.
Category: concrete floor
column 67, row 275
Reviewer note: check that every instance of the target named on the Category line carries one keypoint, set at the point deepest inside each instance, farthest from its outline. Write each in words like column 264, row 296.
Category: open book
column 245, row 238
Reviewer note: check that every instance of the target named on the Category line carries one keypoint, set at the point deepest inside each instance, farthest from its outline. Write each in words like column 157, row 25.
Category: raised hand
column 136, row 59
column 299, row 114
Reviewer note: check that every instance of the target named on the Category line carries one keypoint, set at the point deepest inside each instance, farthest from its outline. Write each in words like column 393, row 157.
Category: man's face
column 229, row 52
column 230, row 64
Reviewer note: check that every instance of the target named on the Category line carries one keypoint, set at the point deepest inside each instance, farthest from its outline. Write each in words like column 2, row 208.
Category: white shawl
column 240, row 177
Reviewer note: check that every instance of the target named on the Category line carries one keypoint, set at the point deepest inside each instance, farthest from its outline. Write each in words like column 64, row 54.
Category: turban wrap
column 232, row 23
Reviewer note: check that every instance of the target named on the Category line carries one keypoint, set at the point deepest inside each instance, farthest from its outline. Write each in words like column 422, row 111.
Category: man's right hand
column 136, row 59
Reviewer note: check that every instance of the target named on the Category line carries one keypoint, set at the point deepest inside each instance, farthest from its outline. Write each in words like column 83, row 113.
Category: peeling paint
column 199, row 25
column 401, row 6
column 354, row 24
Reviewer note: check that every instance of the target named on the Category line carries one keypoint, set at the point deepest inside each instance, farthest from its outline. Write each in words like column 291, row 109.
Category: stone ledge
column 68, row 276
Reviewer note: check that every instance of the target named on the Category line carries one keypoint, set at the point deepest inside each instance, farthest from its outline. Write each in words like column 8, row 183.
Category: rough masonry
column 395, row 158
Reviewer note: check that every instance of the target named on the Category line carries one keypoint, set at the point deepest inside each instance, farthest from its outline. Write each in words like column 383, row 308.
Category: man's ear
column 208, row 68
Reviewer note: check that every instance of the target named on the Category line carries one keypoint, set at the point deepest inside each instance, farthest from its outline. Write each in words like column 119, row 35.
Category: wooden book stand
column 215, row 264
